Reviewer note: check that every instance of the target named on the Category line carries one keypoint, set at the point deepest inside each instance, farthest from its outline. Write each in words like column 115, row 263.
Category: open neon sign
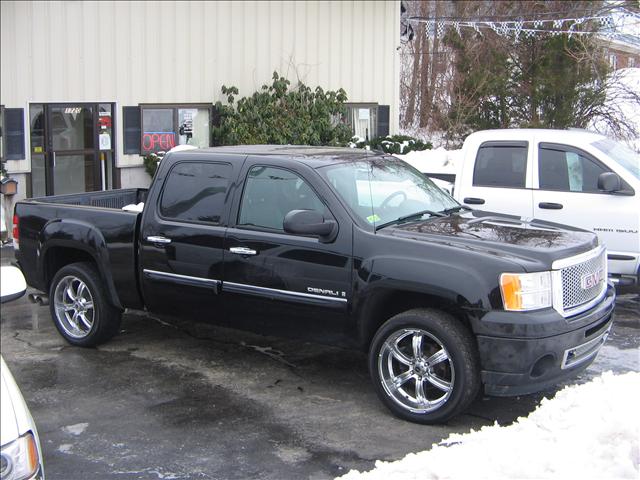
column 157, row 141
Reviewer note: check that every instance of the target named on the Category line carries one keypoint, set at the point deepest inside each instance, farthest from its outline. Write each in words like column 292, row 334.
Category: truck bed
column 95, row 220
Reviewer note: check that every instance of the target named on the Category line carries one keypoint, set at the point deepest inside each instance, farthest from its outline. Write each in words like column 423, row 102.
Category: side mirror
column 12, row 284
column 309, row 222
column 609, row 182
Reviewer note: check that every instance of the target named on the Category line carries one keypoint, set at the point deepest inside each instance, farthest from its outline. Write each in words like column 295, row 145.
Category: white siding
column 173, row 52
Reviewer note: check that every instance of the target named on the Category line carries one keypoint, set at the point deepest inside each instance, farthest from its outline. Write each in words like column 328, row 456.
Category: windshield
column 626, row 157
column 382, row 190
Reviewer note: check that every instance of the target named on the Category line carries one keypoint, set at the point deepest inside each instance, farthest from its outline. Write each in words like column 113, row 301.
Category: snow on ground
column 587, row 431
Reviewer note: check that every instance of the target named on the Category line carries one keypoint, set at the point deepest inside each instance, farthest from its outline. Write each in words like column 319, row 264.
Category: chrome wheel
column 416, row 370
column 73, row 304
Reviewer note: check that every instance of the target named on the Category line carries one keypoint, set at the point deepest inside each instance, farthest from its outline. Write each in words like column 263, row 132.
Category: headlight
column 19, row 458
column 526, row 291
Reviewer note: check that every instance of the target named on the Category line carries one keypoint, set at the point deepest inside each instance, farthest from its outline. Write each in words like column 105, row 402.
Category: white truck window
column 501, row 165
column 567, row 170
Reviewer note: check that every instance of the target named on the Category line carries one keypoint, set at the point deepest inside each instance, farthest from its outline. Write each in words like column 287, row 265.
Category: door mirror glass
column 12, row 284
column 609, row 182
column 309, row 222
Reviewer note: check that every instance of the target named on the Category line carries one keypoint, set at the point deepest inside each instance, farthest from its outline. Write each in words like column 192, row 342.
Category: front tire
column 424, row 366
column 80, row 308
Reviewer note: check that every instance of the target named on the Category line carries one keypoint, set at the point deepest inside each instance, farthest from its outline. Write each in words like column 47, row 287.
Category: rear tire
column 424, row 366
column 80, row 308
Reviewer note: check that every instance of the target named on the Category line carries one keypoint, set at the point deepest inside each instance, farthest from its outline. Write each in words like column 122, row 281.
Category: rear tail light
column 16, row 231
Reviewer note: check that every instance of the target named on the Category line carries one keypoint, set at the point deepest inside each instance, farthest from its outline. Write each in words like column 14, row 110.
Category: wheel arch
column 70, row 241
column 385, row 303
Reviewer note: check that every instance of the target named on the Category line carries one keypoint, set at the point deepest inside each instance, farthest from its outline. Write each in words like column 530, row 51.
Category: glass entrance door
column 70, row 144
column 72, row 151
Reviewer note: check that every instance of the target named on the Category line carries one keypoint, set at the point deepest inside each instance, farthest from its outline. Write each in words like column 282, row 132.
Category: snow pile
column 438, row 138
column 587, row 431
column 132, row 207
column 434, row 161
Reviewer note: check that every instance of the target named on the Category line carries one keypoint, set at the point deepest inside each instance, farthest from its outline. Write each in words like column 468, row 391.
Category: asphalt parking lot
column 189, row 400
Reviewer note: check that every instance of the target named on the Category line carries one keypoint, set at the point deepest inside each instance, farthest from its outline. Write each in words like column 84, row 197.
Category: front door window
column 567, row 170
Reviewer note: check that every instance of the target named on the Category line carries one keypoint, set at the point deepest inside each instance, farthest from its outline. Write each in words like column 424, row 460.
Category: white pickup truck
column 572, row 177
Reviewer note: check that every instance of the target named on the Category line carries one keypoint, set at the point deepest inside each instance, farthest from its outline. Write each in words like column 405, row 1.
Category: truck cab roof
column 573, row 136
column 315, row 157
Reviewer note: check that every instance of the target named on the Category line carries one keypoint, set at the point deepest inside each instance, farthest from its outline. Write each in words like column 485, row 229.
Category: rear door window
column 196, row 192
column 501, row 165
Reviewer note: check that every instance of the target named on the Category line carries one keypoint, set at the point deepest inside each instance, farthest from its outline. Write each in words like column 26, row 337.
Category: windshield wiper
column 455, row 209
column 409, row 217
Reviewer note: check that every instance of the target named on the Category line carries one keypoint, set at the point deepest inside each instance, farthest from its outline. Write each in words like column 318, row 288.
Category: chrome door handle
column 242, row 251
column 159, row 240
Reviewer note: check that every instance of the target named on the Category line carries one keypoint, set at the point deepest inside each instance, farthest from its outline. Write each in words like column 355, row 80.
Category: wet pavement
column 187, row 400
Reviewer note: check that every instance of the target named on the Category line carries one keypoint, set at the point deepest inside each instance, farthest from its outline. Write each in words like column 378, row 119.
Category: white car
column 20, row 455
column 572, row 177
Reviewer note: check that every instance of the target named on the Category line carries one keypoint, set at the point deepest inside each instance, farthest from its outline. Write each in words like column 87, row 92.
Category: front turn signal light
column 526, row 291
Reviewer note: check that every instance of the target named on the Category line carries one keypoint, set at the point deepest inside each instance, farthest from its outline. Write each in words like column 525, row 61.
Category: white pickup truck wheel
column 79, row 307
column 424, row 366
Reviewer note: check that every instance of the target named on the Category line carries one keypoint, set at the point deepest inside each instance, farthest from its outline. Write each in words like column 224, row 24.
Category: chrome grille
column 583, row 281
column 574, row 292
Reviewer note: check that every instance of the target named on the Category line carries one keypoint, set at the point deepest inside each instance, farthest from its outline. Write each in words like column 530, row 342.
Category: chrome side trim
column 244, row 288
column 580, row 354
column 182, row 279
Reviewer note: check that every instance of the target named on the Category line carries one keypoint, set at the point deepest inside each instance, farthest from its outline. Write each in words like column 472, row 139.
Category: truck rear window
column 195, row 192
column 501, row 165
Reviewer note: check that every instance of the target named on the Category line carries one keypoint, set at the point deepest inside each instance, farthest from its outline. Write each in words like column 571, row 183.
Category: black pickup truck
column 341, row 246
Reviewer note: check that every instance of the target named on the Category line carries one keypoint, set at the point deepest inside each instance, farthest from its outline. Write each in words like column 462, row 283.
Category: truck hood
column 529, row 242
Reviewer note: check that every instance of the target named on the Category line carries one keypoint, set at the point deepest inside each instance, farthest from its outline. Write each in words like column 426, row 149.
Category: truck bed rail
column 106, row 199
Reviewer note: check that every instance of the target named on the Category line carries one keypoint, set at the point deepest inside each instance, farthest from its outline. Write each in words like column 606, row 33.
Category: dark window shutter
column 383, row 121
column 14, row 133
column 131, row 126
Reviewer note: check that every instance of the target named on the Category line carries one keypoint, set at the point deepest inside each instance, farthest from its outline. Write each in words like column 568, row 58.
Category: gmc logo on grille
column 590, row 280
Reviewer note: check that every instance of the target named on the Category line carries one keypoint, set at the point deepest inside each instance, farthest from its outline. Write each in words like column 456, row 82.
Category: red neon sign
column 157, row 141
column 104, row 122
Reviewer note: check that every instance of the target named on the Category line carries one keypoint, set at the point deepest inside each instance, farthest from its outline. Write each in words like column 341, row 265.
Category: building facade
column 622, row 51
column 621, row 40
column 88, row 88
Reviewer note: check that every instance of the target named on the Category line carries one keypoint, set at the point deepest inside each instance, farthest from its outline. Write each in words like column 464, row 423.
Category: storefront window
column 165, row 127
column 158, row 133
column 105, row 126
column 194, row 127
column 363, row 120
column 36, row 123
